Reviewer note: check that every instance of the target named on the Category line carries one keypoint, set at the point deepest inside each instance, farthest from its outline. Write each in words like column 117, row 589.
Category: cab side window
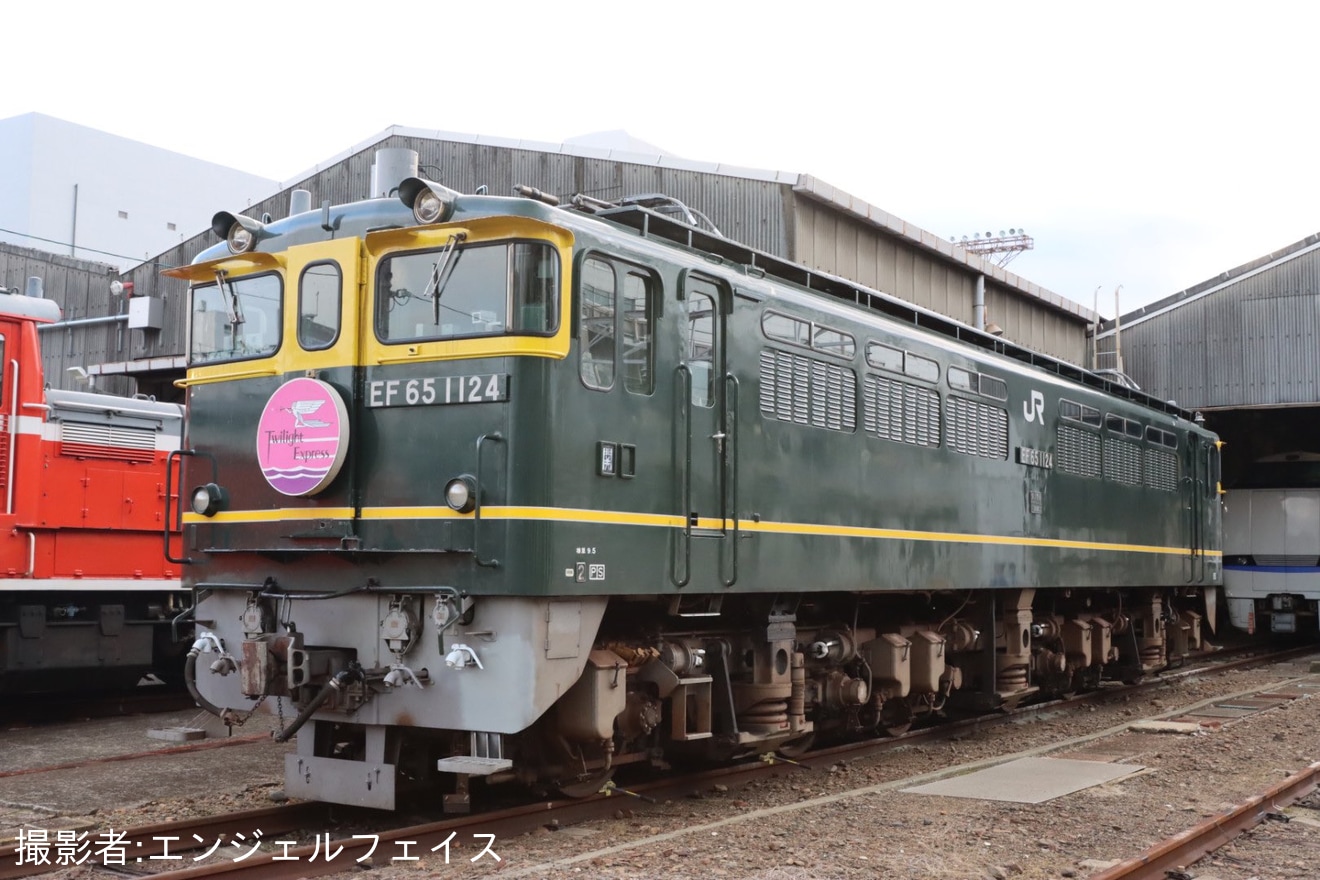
column 596, row 325
column 320, row 293
column 701, row 352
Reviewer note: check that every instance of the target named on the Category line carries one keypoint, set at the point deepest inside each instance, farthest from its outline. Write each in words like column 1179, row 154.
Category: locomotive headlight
column 461, row 494
column 430, row 202
column 239, row 232
column 208, row 500
column 428, row 208
column 240, row 240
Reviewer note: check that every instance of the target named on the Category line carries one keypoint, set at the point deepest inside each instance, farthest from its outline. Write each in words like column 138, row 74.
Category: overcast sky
column 1151, row 145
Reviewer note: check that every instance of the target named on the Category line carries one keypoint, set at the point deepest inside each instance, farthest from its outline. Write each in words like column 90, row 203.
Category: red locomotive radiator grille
column 107, row 441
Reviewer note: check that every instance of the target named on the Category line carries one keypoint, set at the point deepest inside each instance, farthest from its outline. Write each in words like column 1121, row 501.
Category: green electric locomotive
column 489, row 488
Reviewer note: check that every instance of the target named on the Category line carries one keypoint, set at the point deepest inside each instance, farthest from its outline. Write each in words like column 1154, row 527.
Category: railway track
column 1170, row 856
column 144, row 849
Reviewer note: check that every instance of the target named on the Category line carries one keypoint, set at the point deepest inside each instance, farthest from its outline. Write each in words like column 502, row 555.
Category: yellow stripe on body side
column 278, row 515
column 574, row 515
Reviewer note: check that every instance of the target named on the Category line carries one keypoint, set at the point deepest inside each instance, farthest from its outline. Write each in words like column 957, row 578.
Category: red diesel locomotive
column 88, row 599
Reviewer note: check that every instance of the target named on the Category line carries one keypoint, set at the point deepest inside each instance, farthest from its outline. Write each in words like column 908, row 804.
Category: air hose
column 338, row 683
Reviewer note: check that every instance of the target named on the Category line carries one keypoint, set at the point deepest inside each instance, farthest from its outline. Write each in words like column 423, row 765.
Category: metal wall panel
column 1250, row 342
column 81, row 289
column 839, row 244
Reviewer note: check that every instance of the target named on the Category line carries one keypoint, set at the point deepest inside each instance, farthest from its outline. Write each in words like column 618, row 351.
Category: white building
column 72, row 190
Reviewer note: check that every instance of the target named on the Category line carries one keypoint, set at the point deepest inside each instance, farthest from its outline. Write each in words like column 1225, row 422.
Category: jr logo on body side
column 1034, row 409
column 302, row 437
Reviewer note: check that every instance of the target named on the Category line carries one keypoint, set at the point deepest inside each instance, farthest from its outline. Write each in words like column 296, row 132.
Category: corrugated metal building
column 1242, row 347
column 793, row 216
column 95, row 330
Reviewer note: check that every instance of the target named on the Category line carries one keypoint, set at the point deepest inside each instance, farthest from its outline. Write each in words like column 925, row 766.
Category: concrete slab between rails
column 1184, row 727
column 1028, row 780
column 177, row 734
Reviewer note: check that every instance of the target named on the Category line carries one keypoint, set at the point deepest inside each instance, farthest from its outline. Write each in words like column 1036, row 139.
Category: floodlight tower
column 1006, row 245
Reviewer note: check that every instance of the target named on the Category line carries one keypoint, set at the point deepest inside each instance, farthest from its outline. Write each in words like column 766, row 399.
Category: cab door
column 323, row 321
column 321, row 329
column 705, row 437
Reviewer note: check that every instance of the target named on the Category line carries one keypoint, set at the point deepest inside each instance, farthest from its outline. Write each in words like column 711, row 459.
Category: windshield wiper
column 233, row 308
column 440, row 272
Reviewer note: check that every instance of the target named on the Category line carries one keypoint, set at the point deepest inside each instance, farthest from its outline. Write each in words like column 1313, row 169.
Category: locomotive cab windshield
column 486, row 289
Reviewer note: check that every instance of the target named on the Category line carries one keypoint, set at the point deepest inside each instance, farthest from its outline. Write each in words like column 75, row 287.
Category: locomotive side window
column 236, row 319
column 701, row 346
column 638, row 320
column 882, row 357
column 834, row 342
column 319, row 294
column 457, row 292
column 786, row 329
column 808, row 334
column 534, row 288
column 607, row 332
column 1076, row 412
column 963, row 380
column 918, row 367
column 596, row 324
column 1159, row 437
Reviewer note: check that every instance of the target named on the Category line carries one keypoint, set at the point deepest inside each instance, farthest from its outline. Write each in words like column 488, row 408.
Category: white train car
column 1272, row 546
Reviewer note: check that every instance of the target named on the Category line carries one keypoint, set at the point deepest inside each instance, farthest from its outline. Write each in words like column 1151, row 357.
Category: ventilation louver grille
column 1161, row 470
column 82, row 440
column 1122, row 461
column 902, row 412
column 976, row 429
column 1078, row 452
column 808, row 392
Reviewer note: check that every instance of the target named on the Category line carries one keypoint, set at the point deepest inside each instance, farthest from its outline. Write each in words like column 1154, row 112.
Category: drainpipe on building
column 978, row 304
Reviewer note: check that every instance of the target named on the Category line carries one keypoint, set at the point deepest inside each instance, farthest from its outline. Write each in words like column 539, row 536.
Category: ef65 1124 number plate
column 438, row 390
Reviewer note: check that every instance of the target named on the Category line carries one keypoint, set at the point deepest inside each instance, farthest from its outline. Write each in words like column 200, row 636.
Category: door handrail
column 683, row 420
column 493, row 437
column 729, row 469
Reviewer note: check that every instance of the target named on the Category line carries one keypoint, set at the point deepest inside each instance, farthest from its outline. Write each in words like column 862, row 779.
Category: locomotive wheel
column 582, row 788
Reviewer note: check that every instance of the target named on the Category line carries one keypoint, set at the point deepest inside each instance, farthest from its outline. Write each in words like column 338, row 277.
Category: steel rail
column 1187, row 847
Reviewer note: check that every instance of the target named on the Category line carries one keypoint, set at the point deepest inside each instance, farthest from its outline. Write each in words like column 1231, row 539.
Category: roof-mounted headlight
column 430, row 202
column 239, row 232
